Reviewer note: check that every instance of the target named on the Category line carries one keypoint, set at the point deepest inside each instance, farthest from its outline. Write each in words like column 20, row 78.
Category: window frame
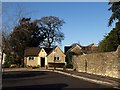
column 56, row 58
column 31, row 58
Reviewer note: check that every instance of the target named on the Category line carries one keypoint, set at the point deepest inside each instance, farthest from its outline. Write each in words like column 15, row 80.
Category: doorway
column 42, row 62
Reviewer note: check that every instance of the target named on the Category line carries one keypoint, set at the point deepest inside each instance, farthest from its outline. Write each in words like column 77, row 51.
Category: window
column 56, row 58
column 31, row 58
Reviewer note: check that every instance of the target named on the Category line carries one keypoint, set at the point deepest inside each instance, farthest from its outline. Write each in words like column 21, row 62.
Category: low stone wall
column 105, row 64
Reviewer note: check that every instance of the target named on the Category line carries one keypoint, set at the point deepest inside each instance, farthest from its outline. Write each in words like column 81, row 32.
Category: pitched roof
column 93, row 45
column 54, row 49
column 83, row 49
column 32, row 51
column 74, row 44
column 67, row 48
column 48, row 50
column 72, row 47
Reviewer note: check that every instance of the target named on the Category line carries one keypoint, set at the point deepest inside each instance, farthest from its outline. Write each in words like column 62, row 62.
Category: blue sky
column 86, row 22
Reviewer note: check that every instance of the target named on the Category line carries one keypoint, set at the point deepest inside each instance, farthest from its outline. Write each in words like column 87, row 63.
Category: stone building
column 77, row 49
column 44, row 57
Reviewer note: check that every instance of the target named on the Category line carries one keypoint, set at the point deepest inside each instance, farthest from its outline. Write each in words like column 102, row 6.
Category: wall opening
column 42, row 62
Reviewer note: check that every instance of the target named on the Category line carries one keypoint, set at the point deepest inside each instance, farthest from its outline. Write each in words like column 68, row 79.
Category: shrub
column 64, row 67
column 69, row 66
column 34, row 67
column 13, row 65
column 9, row 60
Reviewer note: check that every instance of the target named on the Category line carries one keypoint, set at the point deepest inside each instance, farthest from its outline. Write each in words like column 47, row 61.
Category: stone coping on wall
column 104, row 64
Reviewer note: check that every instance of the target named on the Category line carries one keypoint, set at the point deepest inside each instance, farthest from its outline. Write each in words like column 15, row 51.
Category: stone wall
column 106, row 64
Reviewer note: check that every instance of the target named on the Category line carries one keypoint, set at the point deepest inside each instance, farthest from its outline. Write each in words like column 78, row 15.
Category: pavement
column 114, row 82
column 104, row 80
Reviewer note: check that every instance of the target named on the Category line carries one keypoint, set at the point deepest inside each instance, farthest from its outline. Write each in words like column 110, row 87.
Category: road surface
column 43, row 79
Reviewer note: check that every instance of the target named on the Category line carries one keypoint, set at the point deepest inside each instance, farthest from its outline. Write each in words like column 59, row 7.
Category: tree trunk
column 118, row 25
column 1, row 58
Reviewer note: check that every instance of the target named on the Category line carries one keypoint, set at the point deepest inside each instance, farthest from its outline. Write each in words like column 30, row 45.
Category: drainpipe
column 85, row 65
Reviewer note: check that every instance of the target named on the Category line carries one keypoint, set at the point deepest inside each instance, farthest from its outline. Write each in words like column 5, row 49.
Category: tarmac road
column 13, row 80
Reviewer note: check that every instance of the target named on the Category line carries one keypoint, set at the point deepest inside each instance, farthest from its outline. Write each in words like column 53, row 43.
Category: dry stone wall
column 105, row 64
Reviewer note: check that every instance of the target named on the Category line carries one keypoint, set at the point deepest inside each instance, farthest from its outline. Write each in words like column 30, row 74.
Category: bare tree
column 10, row 18
column 51, row 27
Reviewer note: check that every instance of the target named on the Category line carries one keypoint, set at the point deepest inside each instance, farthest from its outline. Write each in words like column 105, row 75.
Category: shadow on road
column 58, row 86
column 22, row 74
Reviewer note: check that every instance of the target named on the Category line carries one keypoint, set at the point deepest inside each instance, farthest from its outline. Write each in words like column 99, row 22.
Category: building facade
column 44, row 57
